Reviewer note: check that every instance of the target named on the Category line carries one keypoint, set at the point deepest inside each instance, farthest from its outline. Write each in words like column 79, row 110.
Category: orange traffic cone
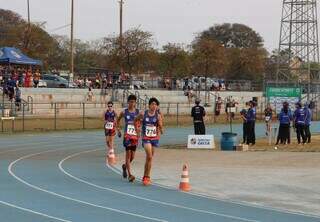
column 111, row 157
column 184, row 184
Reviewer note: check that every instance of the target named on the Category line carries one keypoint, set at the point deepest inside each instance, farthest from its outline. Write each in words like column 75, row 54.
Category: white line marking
column 50, row 144
column 33, row 212
column 142, row 198
column 24, row 143
column 10, row 170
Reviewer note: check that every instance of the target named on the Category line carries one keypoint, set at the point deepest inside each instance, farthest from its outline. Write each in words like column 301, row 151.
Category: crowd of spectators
column 22, row 77
column 101, row 80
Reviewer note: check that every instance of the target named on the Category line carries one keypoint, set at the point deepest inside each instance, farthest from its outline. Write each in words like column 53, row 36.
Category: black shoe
column 131, row 178
column 124, row 171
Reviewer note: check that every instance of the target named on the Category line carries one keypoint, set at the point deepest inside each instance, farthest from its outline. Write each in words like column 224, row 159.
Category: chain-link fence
column 79, row 116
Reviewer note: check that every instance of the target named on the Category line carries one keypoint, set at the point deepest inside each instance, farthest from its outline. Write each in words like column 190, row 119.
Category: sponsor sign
column 277, row 96
column 201, row 142
column 283, row 92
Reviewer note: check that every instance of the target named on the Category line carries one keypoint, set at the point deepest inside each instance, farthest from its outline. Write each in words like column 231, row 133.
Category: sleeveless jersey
column 150, row 127
column 129, row 129
column 110, row 120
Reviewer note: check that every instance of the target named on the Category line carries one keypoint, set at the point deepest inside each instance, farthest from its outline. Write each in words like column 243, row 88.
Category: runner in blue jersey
column 152, row 127
column 110, row 117
column 131, row 137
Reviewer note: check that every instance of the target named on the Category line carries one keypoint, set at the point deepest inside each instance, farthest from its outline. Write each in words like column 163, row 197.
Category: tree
column 208, row 57
column 233, row 36
column 136, row 43
column 247, row 64
column 38, row 43
column 174, row 60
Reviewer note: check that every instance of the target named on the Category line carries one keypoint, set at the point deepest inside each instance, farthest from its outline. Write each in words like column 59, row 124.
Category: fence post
column 177, row 114
column 83, row 115
column 261, row 111
column 23, row 105
column 55, row 116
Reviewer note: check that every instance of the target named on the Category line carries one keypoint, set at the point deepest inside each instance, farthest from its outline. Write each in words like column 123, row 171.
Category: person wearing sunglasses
column 130, row 138
column 110, row 117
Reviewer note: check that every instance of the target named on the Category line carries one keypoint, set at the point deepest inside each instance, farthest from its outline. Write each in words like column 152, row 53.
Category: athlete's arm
column 138, row 119
column 160, row 124
column 118, row 120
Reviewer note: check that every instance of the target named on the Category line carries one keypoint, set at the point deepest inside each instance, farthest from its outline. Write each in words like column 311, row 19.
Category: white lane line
column 52, row 143
column 33, row 212
column 46, row 141
column 240, row 203
column 10, row 170
column 139, row 197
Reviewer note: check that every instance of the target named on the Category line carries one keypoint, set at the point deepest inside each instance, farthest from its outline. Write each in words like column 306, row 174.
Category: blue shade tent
column 10, row 55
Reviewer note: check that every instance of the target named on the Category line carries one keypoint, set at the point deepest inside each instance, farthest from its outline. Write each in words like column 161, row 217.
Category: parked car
column 42, row 83
column 54, row 81
column 137, row 84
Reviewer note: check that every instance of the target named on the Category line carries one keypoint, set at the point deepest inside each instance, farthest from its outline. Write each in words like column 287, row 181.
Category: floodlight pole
column 121, row 35
column 71, row 42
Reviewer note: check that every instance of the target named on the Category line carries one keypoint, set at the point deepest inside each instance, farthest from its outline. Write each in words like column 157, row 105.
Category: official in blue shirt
column 251, row 120
column 307, row 123
column 285, row 117
column 299, row 121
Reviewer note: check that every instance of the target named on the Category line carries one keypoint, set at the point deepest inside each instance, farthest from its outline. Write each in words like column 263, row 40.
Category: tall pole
column 121, row 35
column 71, row 42
column 28, row 13
column 28, row 33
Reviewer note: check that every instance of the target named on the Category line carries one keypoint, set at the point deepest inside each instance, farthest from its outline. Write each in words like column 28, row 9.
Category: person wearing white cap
column 198, row 112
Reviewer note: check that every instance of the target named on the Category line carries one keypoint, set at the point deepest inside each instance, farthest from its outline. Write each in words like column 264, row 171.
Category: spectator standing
column 18, row 97
column 299, row 121
column 36, row 78
column 10, row 86
column 90, row 95
column 198, row 112
column 28, row 79
column 243, row 114
column 251, row 119
column 307, row 122
column 268, row 118
column 285, row 118
column 190, row 94
column 218, row 106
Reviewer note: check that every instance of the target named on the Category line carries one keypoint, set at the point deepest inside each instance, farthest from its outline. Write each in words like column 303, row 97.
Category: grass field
column 263, row 145
column 50, row 123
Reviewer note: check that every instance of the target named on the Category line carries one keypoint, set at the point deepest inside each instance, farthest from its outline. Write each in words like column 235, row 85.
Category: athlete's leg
column 128, row 161
column 133, row 153
column 149, row 155
column 111, row 142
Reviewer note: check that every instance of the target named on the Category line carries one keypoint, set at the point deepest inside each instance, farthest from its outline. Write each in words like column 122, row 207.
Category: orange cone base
column 185, row 186
column 111, row 161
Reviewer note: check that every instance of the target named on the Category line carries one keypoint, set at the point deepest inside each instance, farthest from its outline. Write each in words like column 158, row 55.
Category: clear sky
column 169, row 20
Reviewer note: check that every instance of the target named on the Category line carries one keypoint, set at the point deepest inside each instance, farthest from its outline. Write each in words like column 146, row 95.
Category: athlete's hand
column 161, row 131
column 119, row 134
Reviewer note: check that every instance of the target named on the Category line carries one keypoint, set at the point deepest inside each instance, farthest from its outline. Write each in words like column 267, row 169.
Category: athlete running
column 130, row 138
column 110, row 117
column 152, row 126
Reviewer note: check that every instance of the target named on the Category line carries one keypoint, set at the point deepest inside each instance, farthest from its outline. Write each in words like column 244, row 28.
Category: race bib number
column 268, row 118
column 151, row 131
column 131, row 130
column 109, row 126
